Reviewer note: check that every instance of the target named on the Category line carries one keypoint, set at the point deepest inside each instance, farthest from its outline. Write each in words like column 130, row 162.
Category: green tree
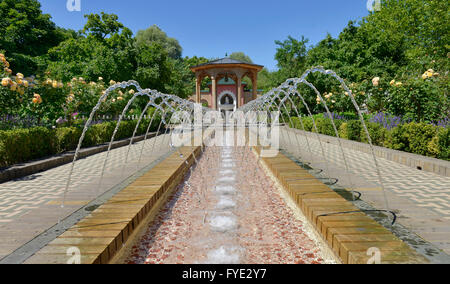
column 26, row 34
column 291, row 55
column 155, row 34
column 241, row 57
column 101, row 26
column 106, row 50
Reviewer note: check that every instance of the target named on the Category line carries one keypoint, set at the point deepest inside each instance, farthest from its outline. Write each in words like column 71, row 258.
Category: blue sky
column 212, row 28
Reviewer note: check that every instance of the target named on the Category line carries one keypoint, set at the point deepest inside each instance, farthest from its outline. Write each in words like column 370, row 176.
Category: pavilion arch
column 227, row 68
column 221, row 96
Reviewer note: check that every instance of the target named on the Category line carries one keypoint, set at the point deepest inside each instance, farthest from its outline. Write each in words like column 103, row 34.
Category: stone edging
column 418, row 162
column 99, row 236
column 351, row 236
column 29, row 168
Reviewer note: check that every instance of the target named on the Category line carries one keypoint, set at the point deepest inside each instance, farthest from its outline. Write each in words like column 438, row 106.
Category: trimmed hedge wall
column 21, row 145
column 418, row 138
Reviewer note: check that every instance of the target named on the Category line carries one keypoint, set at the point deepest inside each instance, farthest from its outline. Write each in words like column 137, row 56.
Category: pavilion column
column 239, row 91
column 198, row 90
column 214, row 92
column 255, row 85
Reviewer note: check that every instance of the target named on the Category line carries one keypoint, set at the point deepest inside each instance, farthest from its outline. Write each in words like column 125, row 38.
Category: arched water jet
column 292, row 86
column 152, row 96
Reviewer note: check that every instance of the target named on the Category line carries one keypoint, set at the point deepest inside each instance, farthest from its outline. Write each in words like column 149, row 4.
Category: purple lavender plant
column 334, row 116
column 387, row 120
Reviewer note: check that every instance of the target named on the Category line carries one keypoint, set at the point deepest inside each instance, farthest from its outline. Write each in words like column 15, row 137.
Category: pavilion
column 227, row 91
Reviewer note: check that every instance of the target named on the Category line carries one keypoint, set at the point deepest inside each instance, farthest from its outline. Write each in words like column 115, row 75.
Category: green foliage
column 101, row 26
column 377, row 133
column 418, row 138
column 26, row 33
column 241, row 57
column 413, row 138
column 444, row 144
column 325, row 126
column 343, row 130
column 67, row 138
column 399, row 42
column 23, row 145
column 354, row 128
column 291, row 56
column 154, row 35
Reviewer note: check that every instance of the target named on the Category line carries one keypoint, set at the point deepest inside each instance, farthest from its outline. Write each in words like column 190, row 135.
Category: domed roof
column 226, row 62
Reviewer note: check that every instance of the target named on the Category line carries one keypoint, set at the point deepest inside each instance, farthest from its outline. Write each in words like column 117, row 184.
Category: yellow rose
column 424, row 76
column 429, row 74
column 131, row 92
column 19, row 75
column 100, row 78
column 436, row 74
column 112, row 82
column 392, row 82
column 13, row 86
column 55, row 84
column 119, row 98
column 376, row 81
column 26, row 84
column 70, row 98
column 38, row 98
column 5, row 82
column 398, row 84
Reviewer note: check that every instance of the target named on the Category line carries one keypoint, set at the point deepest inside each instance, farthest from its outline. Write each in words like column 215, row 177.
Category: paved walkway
column 31, row 205
column 422, row 199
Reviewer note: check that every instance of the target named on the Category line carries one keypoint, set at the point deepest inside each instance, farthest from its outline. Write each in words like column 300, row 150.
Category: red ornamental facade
column 226, row 91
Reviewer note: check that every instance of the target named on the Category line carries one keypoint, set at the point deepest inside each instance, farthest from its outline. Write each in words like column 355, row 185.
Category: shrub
column 419, row 135
column 377, row 133
column 354, row 128
column 343, row 130
column 21, row 145
column 308, row 124
column 444, row 144
column 295, row 123
column 418, row 138
column 67, row 138
column 325, row 126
